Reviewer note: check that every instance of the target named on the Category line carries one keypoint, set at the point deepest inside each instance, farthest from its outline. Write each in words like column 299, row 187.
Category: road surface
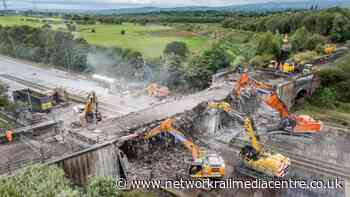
column 73, row 83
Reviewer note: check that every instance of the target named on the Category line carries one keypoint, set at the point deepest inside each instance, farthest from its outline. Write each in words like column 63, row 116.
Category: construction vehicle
column 204, row 165
column 158, row 91
column 36, row 101
column 241, row 84
column 89, row 113
column 245, row 81
column 256, row 161
column 286, row 67
column 294, row 124
column 329, row 49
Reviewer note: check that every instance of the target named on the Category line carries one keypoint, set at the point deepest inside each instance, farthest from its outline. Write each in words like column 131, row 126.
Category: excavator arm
column 92, row 100
column 249, row 129
column 248, row 123
column 273, row 101
column 166, row 126
column 194, row 149
column 241, row 83
column 220, row 105
column 293, row 123
column 245, row 80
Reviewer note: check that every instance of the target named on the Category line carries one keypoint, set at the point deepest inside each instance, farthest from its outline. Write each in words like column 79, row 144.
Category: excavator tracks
column 309, row 164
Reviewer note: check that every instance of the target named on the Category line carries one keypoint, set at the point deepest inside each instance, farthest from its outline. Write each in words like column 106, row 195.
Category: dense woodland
column 334, row 23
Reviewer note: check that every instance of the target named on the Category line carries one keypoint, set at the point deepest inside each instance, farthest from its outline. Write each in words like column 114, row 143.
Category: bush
column 313, row 41
column 176, row 48
column 330, row 77
column 299, row 39
column 326, row 97
column 37, row 181
column 199, row 71
column 343, row 89
column 271, row 44
column 305, row 56
column 261, row 60
column 102, row 186
column 122, row 32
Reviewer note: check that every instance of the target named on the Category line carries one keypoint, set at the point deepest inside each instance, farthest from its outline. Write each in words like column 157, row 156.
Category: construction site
column 238, row 128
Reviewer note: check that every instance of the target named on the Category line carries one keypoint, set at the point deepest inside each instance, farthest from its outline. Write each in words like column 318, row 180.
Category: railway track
column 74, row 97
column 309, row 164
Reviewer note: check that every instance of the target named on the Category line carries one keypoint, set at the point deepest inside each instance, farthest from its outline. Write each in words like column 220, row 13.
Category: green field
column 150, row 40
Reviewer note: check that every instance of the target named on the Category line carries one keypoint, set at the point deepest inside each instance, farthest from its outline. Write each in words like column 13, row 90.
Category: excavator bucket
column 306, row 124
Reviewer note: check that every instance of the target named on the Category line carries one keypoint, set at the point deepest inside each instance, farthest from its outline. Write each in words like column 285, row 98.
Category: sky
column 184, row 2
column 116, row 4
column 142, row 2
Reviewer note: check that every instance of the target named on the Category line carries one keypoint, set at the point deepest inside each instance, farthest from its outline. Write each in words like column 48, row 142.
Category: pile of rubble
column 161, row 164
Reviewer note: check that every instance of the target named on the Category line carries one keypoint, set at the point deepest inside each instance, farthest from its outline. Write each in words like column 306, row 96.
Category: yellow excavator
column 89, row 113
column 204, row 165
column 286, row 67
column 257, row 161
column 329, row 49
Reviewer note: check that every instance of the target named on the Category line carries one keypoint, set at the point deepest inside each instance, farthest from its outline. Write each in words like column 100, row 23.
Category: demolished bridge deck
column 117, row 127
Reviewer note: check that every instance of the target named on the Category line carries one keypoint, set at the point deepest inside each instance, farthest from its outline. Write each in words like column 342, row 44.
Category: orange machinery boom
column 245, row 80
column 293, row 123
column 166, row 126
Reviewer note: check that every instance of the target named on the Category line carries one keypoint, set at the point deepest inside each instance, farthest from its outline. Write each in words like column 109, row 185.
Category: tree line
column 333, row 23
column 161, row 17
column 63, row 50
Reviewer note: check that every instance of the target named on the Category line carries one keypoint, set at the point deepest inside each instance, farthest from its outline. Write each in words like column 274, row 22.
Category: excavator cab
column 209, row 166
column 288, row 67
column 329, row 49
column 248, row 153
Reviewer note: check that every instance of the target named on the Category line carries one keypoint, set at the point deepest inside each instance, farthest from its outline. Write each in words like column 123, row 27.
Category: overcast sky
column 156, row 2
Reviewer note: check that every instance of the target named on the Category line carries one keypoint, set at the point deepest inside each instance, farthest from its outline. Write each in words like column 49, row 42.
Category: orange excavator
column 245, row 81
column 204, row 165
column 294, row 124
